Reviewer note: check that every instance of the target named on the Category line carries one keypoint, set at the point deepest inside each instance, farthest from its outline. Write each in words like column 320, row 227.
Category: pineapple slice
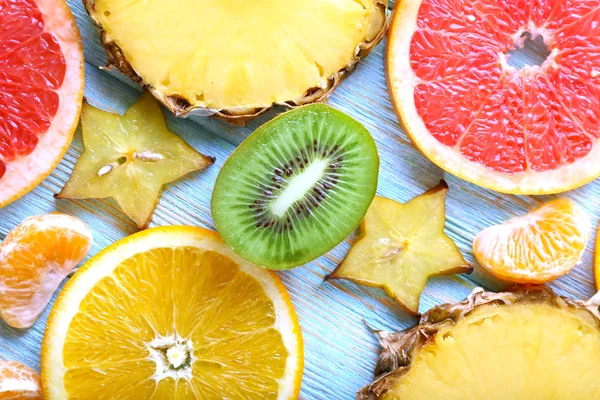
column 401, row 246
column 235, row 59
column 530, row 344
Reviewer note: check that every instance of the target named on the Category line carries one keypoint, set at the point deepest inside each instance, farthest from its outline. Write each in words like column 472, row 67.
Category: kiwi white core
column 298, row 186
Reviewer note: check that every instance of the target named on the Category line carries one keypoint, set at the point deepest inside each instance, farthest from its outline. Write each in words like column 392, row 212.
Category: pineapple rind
column 240, row 115
column 400, row 348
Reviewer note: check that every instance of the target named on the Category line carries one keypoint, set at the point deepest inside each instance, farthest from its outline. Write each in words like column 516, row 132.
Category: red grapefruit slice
column 41, row 89
column 529, row 131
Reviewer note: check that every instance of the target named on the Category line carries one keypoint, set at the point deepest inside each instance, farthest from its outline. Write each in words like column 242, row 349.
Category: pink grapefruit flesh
column 41, row 88
column 530, row 131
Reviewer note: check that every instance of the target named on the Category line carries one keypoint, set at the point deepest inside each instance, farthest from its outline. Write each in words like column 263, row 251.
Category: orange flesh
column 32, row 68
column 539, row 118
column 34, row 259
column 18, row 382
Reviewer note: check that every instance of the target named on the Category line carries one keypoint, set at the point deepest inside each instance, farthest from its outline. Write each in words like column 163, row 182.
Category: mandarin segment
column 172, row 312
column 35, row 257
column 18, row 382
column 537, row 247
column 401, row 246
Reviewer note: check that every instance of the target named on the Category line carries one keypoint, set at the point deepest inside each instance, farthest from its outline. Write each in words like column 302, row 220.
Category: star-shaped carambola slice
column 130, row 158
column 401, row 246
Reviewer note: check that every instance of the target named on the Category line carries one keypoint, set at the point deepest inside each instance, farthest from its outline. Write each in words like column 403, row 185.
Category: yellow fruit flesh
column 221, row 316
column 536, row 247
column 229, row 53
column 403, row 245
column 130, row 158
column 519, row 352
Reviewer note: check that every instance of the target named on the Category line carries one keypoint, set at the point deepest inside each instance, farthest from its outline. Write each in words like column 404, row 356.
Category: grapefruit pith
column 532, row 130
column 41, row 88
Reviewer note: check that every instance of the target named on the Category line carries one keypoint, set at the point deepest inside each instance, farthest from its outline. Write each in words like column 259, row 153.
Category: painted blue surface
column 340, row 351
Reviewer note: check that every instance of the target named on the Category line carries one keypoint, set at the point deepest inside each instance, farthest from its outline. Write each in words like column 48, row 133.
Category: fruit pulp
column 237, row 55
column 526, row 351
column 41, row 86
column 401, row 246
column 169, row 313
column 537, row 247
column 296, row 187
column 130, row 158
column 528, row 130
column 35, row 257
column 18, row 382
column 29, row 77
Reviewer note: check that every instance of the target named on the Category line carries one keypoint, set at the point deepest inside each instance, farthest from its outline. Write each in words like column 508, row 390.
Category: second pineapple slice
column 235, row 59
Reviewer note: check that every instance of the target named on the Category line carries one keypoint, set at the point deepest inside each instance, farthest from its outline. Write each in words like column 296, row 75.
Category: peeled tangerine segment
column 129, row 158
column 18, row 382
column 172, row 313
column 238, row 56
column 296, row 187
column 537, row 247
column 530, row 344
column 35, row 257
column 401, row 246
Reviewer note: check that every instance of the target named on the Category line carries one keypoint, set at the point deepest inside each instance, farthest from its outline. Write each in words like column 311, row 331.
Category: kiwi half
column 296, row 187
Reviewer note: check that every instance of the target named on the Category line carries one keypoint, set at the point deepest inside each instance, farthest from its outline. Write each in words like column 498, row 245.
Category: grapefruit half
column 533, row 130
column 41, row 89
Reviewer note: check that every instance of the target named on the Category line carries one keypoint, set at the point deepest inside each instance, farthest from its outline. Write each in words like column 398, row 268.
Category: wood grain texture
column 340, row 350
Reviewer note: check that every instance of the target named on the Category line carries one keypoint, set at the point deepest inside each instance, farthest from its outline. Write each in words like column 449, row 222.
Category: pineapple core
column 223, row 54
column 524, row 351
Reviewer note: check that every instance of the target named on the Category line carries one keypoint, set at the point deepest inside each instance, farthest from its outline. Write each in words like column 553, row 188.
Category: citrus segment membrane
column 41, row 85
column 172, row 313
column 536, row 247
column 528, row 130
column 18, row 382
column 35, row 257
column 296, row 187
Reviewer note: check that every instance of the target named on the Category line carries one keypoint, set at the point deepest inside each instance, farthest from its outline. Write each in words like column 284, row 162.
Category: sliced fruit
column 130, row 158
column 401, row 246
column 529, row 131
column 234, row 59
column 35, row 257
column 41, row 87
column 537, row 247
column 170, row 313
column 296, row 187
column 521, row 345
column 18, row 382
column 597, row 260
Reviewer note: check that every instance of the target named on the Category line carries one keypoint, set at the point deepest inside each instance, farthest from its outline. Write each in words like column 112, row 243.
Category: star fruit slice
column 129, row 158
column 401, row 246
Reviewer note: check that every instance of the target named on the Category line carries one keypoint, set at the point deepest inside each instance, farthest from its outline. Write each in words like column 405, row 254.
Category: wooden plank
column 340, row 350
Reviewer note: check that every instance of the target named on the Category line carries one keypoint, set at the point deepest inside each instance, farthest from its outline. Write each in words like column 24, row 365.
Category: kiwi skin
column 317, row 225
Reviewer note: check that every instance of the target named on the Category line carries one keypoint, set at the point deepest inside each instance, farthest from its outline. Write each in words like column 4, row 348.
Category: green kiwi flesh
column 296, row 187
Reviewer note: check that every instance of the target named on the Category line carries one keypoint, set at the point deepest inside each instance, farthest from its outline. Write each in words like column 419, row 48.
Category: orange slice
column 537, row 247
column 41, row 88
column 170, row 313
column 18, row 382
column 35, row 257
column 532, row 130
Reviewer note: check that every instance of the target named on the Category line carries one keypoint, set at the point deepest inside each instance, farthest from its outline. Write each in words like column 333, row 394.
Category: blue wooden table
column 340, row 352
